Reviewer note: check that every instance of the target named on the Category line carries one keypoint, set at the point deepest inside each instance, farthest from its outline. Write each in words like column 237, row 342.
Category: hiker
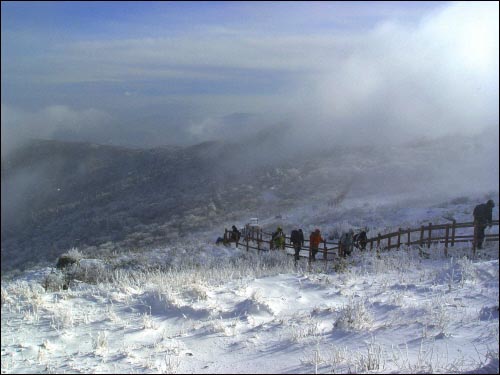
column 301, row 235
column 360, row 240
column 482, row 218
column 314, row 240
column 278, row 239
column 345, row 243
column 297, row 240
column 235, row 235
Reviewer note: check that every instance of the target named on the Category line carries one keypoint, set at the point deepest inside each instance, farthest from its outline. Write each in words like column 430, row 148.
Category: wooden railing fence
column 448, row 234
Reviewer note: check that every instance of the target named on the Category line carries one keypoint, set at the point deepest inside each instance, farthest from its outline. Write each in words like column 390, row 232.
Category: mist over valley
column 58, row 195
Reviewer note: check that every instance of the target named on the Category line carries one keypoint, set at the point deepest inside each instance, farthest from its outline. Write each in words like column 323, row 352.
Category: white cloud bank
column 393, row 82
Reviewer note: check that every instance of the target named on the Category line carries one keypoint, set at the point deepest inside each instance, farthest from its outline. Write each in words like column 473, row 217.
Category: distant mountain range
column 57, row 195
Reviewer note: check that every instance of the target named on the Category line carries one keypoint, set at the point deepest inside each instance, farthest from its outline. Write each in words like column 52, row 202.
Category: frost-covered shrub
column 305, row 330
column 23, row 291
column 467, row 271
column 401, row 261
column 91, row 271
column 62, row 318
column 275, row 260
column 67, row 259
column 314, row 358
column 147, row 321
column 338, row 355
column 220, row 326
column 75, row 253
column 354, row 316
column 169, row 365
column 100, row 343
column 438, row 315
column 343, row 360
column 340, row 265
column 196, row 292
column 6, row 299
column 459, row 273
column 373, row 360
column 55, row 281
column 257, row 304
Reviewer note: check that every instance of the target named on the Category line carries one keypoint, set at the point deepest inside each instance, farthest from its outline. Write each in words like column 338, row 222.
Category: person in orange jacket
column 314, row 240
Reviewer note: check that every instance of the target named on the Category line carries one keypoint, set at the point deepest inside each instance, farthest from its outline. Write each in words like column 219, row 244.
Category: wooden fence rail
column 426, row 235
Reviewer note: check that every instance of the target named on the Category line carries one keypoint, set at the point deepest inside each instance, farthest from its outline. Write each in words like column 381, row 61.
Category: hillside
column 195, row 307
column 58, row 195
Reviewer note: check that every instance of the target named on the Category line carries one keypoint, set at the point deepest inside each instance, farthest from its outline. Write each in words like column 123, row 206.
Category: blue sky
column 108, row 19
column 172, row 71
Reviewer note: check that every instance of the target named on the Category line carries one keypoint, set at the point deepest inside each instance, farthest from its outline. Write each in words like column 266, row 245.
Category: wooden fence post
column 429, row 239
column 325, row 253
column 421, row 236
column 446, row 238
column 474, row 241
column 378, row 245
column 399, row 237
column 453, row 233
column 409, row 236
column 389, row 242
column 259, row 236
column 247, row 242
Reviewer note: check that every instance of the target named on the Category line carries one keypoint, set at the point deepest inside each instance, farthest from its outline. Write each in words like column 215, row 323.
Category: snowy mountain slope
column 198, row 308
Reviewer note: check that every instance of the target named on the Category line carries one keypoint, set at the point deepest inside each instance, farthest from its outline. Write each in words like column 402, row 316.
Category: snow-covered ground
column 199, row 308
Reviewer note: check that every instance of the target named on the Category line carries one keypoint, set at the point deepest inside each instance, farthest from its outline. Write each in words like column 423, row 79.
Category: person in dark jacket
column 346, row 243
column 482, row 217
column 235, row 235
column 360, row 240
column 297, row 240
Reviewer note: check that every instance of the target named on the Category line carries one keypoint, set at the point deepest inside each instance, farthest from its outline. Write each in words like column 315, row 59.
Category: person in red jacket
column 314, row 240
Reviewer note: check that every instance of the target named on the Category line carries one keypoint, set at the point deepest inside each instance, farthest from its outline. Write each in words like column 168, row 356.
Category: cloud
column 57, row 121
column 391, row 82
column 397, row 81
